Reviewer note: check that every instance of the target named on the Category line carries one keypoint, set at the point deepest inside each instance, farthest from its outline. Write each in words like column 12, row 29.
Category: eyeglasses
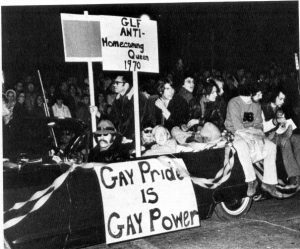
column 118, row 82
column 147, row 130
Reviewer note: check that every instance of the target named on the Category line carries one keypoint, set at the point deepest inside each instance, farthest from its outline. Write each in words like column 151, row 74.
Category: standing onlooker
column 122, row 111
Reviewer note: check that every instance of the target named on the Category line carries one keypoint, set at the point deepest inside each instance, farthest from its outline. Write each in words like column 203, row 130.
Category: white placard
column 146, row 197
column 129, row 44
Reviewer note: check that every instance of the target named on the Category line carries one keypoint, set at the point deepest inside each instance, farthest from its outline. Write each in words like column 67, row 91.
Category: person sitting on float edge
column 206, row 108
column 244, row 115
column 170, row 108
column 274, row 121
column 109, row 146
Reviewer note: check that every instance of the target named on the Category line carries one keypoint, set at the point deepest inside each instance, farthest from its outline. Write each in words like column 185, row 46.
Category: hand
column 126, row 140
column 160, row 104
column 147, row 95
column 281, row 120
column 192, row 122
column 280, row 117
column 94, row 111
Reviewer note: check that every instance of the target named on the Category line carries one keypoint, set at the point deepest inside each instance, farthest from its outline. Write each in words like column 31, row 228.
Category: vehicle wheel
column 233, row 209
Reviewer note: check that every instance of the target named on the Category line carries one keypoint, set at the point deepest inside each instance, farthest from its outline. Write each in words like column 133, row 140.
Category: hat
column 105, row 127
column 147, row 124
column 10, row 91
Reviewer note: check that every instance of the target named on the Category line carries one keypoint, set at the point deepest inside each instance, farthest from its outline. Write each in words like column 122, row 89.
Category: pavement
column 270, row 224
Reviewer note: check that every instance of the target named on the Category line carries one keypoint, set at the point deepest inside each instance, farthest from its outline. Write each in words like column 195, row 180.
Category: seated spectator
column 6, row 114
column 11, row 99
column 19, row 87
column 39, row 110
column 73, row 99
column 51, row 95
column 19, row 109
column 170, row 108
column 274, row 121
column 164, row 143
column 59, row 109
column 30, row 97
column 103, row 106
column 244, row 120
column 10, row 104
column 186, row 91
column 109, row 146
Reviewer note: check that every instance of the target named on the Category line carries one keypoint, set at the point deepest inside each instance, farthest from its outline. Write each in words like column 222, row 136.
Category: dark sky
column 222, row 35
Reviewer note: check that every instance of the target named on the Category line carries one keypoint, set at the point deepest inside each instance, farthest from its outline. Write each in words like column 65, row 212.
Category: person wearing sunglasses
column 109, row 146
column 147, row 136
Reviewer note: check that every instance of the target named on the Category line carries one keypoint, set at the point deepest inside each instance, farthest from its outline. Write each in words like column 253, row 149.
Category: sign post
column 92, row 91
column 136, row 115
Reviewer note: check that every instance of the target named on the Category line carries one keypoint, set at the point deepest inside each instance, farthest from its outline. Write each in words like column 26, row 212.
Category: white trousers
column 270, row 171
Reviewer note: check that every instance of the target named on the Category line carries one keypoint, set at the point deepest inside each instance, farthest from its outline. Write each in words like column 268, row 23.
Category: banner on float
column 144, row 198
column 81, row 37
column 129, row 44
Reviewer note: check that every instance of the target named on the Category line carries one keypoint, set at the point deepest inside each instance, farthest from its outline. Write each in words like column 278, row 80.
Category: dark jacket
column 122, row 113
column 179, row 113
column 214, row 112
column 116, row 152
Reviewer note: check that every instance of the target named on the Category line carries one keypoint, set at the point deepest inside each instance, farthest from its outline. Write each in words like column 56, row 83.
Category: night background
column 224, row 36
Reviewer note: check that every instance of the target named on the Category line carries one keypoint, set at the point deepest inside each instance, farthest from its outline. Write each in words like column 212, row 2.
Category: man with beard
column 244, row 120
column 275, row 121
column 109, row 146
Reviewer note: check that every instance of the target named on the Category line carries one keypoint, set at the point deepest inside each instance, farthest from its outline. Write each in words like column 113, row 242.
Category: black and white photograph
column 150, row 124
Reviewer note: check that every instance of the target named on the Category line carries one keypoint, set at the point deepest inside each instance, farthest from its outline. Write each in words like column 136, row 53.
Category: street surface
column 269, row 224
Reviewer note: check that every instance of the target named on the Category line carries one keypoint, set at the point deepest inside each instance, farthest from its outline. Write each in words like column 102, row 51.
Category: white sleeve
column 268, row 125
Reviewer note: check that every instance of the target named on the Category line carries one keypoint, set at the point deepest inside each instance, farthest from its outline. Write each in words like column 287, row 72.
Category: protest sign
column 129, row 44
column 81, row 37
column 145, row 197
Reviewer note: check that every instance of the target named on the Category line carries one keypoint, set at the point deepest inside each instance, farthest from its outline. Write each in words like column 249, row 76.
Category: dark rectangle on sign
column 82, row 38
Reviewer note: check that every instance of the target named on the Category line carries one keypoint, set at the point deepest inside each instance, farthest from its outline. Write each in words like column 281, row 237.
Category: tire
column 233, row 209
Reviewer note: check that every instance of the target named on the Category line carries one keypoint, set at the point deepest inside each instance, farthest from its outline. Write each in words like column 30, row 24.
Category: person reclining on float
column 244, row 120
column 165, row 144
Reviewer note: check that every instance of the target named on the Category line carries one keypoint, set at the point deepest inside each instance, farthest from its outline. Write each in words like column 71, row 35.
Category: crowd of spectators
column 176, row 108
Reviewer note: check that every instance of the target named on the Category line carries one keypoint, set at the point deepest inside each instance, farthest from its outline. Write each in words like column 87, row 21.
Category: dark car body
column 73, row 216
